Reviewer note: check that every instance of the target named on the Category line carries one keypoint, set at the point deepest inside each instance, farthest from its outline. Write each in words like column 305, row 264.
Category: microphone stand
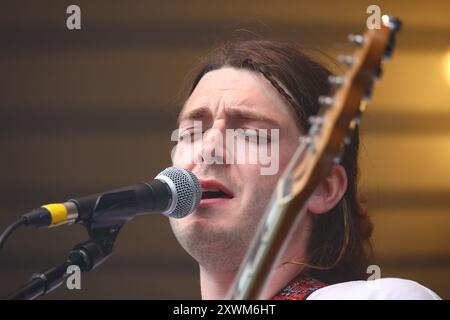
column 87, row 256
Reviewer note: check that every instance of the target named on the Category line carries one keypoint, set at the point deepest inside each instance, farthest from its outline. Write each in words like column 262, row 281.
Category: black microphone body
column 121, row 205
column 174, row 192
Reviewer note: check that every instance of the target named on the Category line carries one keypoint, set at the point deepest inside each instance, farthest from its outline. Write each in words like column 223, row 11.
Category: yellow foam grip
column 58, row 213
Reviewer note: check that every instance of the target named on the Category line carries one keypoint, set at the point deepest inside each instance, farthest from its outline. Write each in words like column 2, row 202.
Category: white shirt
column 379, row 289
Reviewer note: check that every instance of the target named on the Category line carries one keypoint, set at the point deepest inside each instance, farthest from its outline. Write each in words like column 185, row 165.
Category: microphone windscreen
column 186, row 191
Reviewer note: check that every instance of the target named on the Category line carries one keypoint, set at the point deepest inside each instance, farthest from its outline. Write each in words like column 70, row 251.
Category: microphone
column 174, row 192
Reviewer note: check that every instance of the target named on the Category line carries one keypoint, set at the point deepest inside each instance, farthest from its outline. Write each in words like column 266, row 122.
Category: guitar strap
column 299, row 289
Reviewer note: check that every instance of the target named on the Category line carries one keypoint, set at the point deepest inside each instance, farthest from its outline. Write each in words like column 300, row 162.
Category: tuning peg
column 347, row 140
column 377, row 73
column 351, row 131
column 347, row 60
column 316, row 123
column 355, row 122
column 363, row 105
column 338, row 158
column 325, row 101
column 389, row 47
column 336, row 80
column 392, row 23
column 368, row 92
column 356, row 39
column 315, row 120
column 309, row 143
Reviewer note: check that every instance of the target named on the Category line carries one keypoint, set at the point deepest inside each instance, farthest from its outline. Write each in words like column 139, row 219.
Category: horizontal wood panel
column 52, row 161
column 125, row 79
column 405, row 162
column 50, row 12
column 131, row 79
column 411, row 233
column 413, row 81
column 87, row 121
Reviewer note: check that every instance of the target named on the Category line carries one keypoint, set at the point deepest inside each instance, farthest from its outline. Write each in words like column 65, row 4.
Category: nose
column 213, row 147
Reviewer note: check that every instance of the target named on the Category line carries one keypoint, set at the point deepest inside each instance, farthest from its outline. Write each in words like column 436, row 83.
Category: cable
column 8, row 231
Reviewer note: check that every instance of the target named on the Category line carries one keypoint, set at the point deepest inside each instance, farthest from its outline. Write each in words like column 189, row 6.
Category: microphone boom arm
column 87, row 255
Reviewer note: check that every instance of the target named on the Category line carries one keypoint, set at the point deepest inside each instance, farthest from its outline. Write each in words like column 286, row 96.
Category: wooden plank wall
column 91, row 110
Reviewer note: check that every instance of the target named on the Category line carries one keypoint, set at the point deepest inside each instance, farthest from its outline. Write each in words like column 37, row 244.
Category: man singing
column 270, row 89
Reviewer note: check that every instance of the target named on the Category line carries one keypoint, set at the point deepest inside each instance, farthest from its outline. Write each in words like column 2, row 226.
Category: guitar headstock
column 340, row 113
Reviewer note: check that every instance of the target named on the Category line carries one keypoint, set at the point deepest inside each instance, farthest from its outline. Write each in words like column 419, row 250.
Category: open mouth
column 211, row 194
column 212, row 189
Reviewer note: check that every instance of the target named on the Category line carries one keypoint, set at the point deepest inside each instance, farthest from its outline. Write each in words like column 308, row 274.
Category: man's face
column 218, row 233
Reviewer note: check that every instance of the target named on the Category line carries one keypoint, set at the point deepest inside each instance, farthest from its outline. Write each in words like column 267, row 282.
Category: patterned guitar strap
column 299, row 289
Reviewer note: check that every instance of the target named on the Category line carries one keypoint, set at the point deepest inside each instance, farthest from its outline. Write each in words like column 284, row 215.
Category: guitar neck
column 317, row 153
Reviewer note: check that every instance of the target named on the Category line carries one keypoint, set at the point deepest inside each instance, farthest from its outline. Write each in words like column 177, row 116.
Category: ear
column 329, row 192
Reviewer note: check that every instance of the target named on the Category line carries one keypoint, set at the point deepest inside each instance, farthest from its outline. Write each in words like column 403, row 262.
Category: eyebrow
column 197, row 113
column 251, row 116
column 245, row 114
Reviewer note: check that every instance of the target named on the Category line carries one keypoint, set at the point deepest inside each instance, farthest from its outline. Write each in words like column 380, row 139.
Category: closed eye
column 189, row 134
column 255, row 135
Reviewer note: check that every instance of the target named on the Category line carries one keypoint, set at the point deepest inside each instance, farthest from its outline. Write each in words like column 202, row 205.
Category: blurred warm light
column 447, row 66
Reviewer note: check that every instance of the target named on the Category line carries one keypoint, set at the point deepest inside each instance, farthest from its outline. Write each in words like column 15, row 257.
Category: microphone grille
column 187, row 193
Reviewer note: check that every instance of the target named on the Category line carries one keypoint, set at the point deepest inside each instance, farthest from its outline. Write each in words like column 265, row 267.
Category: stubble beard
column 219, row 249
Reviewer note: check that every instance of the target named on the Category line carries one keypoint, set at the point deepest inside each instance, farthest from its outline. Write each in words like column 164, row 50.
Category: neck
column 216, row 285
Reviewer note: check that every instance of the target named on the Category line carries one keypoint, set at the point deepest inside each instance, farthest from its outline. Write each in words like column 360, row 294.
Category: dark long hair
column 337, row 249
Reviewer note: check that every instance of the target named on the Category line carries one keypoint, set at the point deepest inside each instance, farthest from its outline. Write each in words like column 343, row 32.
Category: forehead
column 228, row 86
